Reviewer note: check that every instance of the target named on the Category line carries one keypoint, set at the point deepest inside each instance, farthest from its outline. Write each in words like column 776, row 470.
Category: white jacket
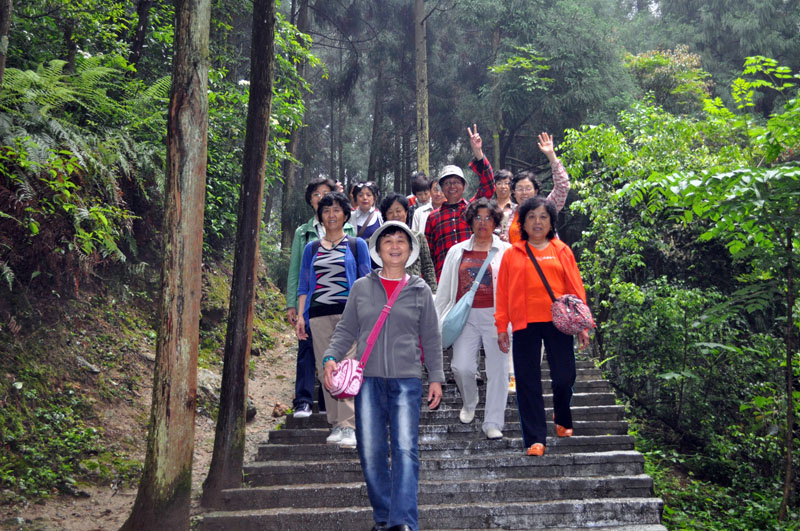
column 448, row 282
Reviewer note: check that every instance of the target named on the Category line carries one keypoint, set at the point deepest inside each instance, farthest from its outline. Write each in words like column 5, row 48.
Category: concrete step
column 578, row 399
column 581, row 374
column 570, row 513
column 434, row 432
column 581, row 386
column 438, row 492
column 446, row 415
column 451, row 448
column 502, row 464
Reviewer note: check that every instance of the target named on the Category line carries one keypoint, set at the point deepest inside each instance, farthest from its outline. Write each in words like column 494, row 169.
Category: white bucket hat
column 450, row 170
column 373, row 242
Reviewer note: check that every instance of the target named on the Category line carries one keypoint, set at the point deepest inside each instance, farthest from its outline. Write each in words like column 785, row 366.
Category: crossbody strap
column 541, row 273
column 477, row 282
column 366, row 224
column 376, row 330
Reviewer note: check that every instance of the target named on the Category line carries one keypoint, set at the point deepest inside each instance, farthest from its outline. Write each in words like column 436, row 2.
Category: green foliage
column 675, row 77
column 74, row 158
column 44, row 437
column 690, row 333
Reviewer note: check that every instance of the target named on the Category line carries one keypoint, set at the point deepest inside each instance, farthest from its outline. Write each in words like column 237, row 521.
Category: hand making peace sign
column 475, row 142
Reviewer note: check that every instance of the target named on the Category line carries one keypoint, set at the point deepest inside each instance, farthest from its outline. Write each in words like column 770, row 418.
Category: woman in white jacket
column 460, row 268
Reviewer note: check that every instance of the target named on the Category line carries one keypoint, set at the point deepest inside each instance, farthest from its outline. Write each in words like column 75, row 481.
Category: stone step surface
column 571, row 513
column 452, row 447
column 435, row 492
column 593, row 480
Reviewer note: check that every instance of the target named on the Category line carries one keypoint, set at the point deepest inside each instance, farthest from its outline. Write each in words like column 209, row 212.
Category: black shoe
column 379, row 526
column 402, row 527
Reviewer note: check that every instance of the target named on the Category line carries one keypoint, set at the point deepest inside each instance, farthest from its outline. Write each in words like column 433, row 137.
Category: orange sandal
column 536, row 449
column 561, row 431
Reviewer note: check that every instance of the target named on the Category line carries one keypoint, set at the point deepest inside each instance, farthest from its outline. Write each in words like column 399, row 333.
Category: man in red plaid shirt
column 446, row 226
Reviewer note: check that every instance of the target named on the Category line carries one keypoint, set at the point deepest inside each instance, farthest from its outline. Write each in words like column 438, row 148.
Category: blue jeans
column 527, row 348
column 392, row 488
column 305, row 379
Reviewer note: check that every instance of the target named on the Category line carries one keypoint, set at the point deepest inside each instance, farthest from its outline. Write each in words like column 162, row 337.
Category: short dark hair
column 315, row 183
column 420, row 183
column 390, row 199
column 388, row 231
column 521, row 176
column 360, row 186
column 502, row 175
column 494, row 210
column 532, row 204
column 331, row 198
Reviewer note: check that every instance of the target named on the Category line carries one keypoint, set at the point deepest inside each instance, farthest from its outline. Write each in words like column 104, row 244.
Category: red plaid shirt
column 446, row 226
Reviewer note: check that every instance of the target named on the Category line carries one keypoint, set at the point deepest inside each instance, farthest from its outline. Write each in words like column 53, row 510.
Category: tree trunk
column 228, row 458
column 421, row 69
column 340, row 137
column 70, row 45
column 332, row 161
column 790, row 349
column 137, row 46
column 498, row 109
column 377, row 118
column 289, row 167
column 6, row 12
column 162, row 501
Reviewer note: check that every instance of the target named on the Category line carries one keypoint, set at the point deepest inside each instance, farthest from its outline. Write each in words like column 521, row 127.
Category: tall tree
column 142, row 16
column 289, row 165
column 421, row 71
column 228, row 457
column 6, row 12
column 165, row 487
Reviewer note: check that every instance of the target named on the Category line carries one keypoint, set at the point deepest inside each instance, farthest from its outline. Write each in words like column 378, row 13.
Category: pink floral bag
column 570, row 314
column 349, row 374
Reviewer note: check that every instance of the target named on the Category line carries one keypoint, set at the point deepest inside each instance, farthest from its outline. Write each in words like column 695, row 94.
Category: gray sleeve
column 431, row 338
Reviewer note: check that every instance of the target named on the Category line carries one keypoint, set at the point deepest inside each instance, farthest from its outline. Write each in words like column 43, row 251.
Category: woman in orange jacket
column 523, row 302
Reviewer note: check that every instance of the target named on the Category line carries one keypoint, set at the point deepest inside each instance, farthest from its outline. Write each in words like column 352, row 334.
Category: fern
column 7, row 274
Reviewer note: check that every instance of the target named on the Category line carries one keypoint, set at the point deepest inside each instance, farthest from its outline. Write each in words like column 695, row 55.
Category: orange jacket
column 510, row 299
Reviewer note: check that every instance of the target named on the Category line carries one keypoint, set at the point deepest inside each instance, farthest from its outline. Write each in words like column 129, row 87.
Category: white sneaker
column 348, row 439
column 466, row 415
column 302, row 411
column 335, row 436
column 494, row 433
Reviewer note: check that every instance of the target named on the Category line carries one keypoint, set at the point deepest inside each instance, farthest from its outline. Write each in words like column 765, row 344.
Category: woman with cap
column 392, row 389
column 330, row 267
column 461, row 269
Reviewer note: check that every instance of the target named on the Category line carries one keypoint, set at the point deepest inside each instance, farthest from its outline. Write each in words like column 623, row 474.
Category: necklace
column 334, row 243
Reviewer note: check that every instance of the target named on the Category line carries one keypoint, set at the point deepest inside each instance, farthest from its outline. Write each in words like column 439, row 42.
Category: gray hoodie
column 411, row 322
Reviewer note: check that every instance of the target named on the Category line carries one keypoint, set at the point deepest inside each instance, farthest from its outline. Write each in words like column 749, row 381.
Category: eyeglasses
column 317, row 195
column 365, row 183
column 484, row 219
column 524, row 190
column 502, row 184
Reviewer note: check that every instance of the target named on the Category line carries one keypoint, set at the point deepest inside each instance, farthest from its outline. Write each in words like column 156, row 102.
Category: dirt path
column 106, row 508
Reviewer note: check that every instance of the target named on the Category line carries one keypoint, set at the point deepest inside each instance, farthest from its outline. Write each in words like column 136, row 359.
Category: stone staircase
column 594, row 479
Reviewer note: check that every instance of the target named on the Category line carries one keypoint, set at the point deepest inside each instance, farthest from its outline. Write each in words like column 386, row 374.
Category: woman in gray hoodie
column 391, row 393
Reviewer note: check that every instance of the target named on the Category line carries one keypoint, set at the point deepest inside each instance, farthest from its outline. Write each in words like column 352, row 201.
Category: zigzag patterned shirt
column 332, row 290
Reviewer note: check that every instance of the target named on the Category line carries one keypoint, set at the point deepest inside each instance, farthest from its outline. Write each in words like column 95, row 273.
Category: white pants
column 479, row 330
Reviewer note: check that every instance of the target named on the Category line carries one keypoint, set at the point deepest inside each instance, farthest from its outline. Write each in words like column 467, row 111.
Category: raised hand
column 475, row 142
column 546, row 146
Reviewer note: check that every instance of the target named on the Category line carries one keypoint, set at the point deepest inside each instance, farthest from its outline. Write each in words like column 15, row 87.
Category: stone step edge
column 576, row 458
column 512, row 508
column 422, row 482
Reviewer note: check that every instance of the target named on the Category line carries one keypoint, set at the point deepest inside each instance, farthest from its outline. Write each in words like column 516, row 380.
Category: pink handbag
column 570, row 314
column 349, row 374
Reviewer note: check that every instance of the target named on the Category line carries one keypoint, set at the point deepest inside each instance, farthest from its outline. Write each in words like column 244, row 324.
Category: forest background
column 678, row 123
